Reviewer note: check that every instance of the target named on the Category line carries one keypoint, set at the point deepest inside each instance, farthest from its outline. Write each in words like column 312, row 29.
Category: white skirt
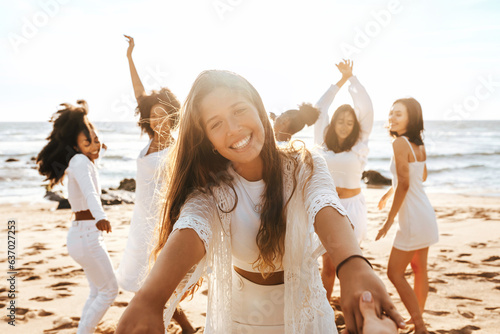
column 356, row 211
column 257, row 309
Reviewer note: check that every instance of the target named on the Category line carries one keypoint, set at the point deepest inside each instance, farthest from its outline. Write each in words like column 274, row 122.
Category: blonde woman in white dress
column 158, row 114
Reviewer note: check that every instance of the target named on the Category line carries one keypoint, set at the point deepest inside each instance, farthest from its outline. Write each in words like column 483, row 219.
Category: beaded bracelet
column 349, row 258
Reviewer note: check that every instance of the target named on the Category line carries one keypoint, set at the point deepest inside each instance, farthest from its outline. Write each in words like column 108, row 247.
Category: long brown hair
column 194, row 166
column 331, row 138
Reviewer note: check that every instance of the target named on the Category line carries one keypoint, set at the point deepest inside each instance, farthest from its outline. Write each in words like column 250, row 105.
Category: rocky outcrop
column 374, row 178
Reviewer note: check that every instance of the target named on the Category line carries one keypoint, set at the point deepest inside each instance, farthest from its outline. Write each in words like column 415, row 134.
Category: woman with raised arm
column 158, row 114
column 417, row 220
column 72, row 150
column 252, row 218
column 344, row 145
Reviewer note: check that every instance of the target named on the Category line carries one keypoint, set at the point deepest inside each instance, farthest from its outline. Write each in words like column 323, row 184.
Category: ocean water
column 462, row 156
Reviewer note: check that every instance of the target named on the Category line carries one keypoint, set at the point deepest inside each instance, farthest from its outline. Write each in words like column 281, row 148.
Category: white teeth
column 242, row 143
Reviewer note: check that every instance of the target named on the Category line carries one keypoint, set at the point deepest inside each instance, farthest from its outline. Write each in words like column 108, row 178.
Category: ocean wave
column 454, row 169
column 471, row 154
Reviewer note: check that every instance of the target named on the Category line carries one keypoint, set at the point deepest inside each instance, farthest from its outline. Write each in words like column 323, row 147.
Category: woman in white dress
column 344, row 145
column 71, row 151
column 417, row 220
column 158, row 113
column 232, row 195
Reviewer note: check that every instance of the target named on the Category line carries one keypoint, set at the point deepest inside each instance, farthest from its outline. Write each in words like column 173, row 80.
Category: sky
column 444, row 53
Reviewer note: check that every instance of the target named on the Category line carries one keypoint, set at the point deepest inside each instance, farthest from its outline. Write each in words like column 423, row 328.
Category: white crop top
column 347, row 167
column 84, row 190
column 245, row 222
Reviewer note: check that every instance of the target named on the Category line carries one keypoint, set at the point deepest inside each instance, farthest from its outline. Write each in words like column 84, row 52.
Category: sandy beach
column 464, row 267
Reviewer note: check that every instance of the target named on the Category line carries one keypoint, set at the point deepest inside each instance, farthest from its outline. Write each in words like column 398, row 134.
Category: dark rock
column 113, row 197
column 11, row 160
column 63, row 204
column 55, row 196
column 373, row 177
column 127, row 184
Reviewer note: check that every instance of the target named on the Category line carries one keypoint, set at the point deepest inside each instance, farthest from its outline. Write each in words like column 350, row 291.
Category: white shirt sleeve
column 320, row 189
column 197, row 213
column 84, row 171
column 362, row 107
column 323, row 105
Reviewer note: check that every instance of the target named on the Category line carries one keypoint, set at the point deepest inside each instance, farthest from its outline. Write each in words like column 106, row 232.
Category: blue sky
column 445, row 53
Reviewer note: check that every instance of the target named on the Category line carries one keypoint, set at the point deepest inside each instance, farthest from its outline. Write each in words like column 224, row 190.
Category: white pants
column 86, row 246
column 257, row 309
column 356, row 211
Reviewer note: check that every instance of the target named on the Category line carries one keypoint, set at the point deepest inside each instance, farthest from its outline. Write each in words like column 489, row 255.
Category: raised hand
column 345, row 67
column 130, row 45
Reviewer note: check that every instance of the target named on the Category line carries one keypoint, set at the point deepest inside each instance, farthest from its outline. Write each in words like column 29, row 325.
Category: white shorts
column 356, row 211
column 257, row 309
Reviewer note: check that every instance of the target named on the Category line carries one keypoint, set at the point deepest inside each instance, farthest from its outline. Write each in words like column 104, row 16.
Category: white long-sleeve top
column 306, row 308
column 347, row 167
column 84, row 190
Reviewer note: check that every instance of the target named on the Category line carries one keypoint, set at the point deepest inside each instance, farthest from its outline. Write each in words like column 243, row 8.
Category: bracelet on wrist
column 348, row 259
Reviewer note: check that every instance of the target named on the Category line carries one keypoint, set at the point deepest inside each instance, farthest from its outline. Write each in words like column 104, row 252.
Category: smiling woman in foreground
column 252, row 218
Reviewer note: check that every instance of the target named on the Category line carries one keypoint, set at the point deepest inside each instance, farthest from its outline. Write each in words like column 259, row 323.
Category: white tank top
column 245, row 222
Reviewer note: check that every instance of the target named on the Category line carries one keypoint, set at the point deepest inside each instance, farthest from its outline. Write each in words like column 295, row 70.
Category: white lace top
column 346, row 167
column 305, row 301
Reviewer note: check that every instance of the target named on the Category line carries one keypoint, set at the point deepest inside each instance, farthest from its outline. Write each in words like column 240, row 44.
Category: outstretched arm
column 144, row 314
column 337, row 236
column 355, row 275
column 136, row 81
column 362, row 106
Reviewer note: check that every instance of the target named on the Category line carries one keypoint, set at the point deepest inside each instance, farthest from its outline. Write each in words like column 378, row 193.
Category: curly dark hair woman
column 69, row 122
column 72, row 149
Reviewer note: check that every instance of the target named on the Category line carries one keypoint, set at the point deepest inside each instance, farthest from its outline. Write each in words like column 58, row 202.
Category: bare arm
column 337, row 236
column 136, row 81
column 356, row 276
column 144, row 314
column 401, row 151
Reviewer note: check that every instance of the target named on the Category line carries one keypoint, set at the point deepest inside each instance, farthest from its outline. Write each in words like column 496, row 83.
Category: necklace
column 257, row 208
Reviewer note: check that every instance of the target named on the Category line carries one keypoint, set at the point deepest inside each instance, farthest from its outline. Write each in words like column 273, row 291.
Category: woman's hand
column 345, row 67
column 383, row 201
column 355, row 278
column 141, row 317
column 372, row 324
column 385, row 228
column 103, row 225
column 130, row 45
